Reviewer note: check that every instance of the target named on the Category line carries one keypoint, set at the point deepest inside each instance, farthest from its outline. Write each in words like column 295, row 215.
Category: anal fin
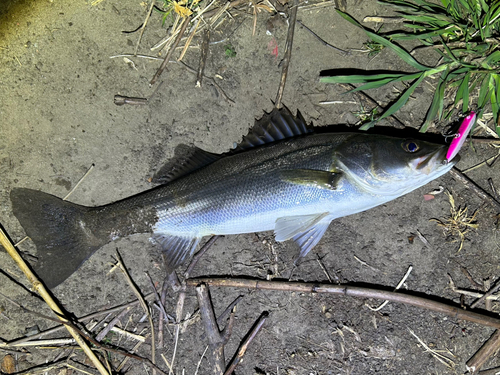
column 175, row 248
column 305, row 230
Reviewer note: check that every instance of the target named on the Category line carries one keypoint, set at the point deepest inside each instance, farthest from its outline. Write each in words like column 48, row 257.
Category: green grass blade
column 463, row 93
column 404, row 55
column 483, row 91
column 436, row 108
column 360, row 78
column 402, row 99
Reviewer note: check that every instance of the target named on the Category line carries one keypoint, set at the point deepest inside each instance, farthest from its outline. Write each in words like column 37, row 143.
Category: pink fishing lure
column 461, row 135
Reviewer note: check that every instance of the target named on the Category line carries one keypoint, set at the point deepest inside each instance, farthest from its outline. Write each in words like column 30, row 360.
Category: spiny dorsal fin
column 186, row 159
column 275, row 126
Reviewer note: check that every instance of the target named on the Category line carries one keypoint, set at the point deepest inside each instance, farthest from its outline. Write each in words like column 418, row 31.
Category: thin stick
column 325, row 43
column 171, row 50
column 216, row 338
column 244, row 346
column 80, row 181
column 40, row 288
column 469, row 184
column 178, row 318
column 82, row 319
column 188, row 41
column 199, row 254
column 144, row 26
column 199, row 362
column 211, row 79
column 144, row 306
column 288, row 53
column 482, row 355
column 491, row 371
column 486, row 295
column 347, row 290
column 203, row 57
column 113, row 322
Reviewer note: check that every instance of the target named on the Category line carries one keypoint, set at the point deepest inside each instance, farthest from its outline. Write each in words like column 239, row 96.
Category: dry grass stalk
column 448, row 362
column 400, row 284
column 44, row 293
column 459, row 222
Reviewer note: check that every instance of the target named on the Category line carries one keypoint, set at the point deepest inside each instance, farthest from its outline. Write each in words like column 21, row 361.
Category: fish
column 282, row 176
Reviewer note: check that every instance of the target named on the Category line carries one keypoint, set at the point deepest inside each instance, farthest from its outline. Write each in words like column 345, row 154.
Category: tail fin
column 59, row 231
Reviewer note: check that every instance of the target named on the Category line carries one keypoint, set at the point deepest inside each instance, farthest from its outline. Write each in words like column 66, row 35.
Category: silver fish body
column 294, row 185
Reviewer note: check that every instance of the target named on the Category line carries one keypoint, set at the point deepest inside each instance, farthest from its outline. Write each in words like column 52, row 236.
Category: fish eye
column 410, row 146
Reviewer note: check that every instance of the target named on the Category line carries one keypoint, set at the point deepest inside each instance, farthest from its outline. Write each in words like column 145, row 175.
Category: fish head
column 391, row 166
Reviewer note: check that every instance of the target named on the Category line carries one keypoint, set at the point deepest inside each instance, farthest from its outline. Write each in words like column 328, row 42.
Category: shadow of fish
column 281, row 177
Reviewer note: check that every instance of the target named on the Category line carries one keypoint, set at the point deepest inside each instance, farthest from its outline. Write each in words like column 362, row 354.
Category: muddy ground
column 57, row 118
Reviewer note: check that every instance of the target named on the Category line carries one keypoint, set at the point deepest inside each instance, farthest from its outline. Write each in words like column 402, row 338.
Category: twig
column 158, row 299
column 232, row 4
column 482, row 355
column 325, row 43
column 485, row 140
column 228, row 310
column 49, row 342
column 288, row 53
column 82, row 319
column 469, row 184
column 203, row 57
column 80, row 181
column 491, row 371
column 470, row 278
column 160, row 323
column 171, row 50
column 125, row 360
column 324, row 269
column 199, row 254
column 486, row 295
column 188, row 41
column 144, row 26
column 347, row 290
column 368, row 101
column 199, row 362
column 489, row 162
column 143, row 303
column 493, row 188
column 216, row 338
column 178, row 318
column 219, row 90
column 40, row 288
column 244, row 346
column 113, row 322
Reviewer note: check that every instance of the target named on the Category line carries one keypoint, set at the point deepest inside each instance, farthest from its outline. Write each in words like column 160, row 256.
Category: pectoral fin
column 305, row 230
column 309, row 177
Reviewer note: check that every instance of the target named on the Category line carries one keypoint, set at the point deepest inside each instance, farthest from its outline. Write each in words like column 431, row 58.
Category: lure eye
column 410, row 146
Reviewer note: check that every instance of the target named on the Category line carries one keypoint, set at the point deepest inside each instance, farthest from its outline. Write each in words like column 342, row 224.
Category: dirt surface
column 57, row 118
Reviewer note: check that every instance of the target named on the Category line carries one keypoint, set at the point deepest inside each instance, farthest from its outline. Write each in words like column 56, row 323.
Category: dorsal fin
column 275, row 126
column 186, row 159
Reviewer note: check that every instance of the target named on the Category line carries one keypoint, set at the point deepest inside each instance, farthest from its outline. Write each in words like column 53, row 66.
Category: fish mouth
column 436, row 160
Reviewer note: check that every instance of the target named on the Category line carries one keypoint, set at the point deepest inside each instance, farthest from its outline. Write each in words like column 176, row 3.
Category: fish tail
column 60, row 231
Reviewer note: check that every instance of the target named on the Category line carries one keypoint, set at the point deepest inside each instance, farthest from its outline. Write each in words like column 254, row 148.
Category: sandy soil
column 57, row 118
